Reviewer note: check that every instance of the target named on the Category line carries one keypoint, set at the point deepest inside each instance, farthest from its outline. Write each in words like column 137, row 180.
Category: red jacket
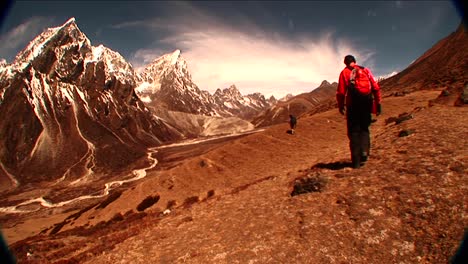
column 344, row 82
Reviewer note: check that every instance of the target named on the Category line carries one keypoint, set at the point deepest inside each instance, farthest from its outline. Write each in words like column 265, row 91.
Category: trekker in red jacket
column 359, row 95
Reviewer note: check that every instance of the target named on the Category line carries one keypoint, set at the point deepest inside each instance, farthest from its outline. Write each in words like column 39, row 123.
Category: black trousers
column 358, row 121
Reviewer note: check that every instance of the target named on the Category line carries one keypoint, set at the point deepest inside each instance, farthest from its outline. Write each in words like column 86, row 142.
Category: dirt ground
column 272, row 197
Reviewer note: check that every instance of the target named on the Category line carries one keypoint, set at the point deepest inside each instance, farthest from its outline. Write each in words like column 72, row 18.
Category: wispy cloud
column 17, row 38
column 255, row 59
column 129, row 24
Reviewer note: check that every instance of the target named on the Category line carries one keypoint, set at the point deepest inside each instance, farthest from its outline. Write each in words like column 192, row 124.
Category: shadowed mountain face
column 298, row 105
column 69, row 109
column 442, row 66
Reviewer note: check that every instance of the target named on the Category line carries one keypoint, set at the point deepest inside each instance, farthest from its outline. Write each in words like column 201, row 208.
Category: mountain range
column 167, row 84
column 69, row 106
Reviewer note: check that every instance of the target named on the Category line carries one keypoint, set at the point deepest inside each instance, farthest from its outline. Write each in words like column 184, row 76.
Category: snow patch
column 175, row 56
column 10, row 176
column 145, row 99
column 228, row 105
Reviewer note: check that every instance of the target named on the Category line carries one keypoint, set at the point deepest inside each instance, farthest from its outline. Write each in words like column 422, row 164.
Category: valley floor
column 233, row 202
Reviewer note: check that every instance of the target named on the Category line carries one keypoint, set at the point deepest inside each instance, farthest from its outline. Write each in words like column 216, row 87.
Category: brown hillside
column 442, row 66
column 235, row 202
column 297, row 105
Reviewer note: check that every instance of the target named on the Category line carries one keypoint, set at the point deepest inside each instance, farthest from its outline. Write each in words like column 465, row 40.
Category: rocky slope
column 69, row 110
column 297, row 105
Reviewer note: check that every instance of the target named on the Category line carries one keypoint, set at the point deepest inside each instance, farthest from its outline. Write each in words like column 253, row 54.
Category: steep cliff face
column 69, row 109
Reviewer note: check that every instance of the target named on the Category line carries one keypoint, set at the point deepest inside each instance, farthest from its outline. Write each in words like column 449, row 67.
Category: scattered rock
column 311, row 183
column 117, row 218
column 210, row 193
column 405, row 132
column 147, row 202
column 191, row 200
column 400, row 119
column 171, row 204
column 166, row 212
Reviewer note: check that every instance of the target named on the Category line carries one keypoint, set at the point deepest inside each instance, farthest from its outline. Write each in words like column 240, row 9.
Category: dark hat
column 348, row 59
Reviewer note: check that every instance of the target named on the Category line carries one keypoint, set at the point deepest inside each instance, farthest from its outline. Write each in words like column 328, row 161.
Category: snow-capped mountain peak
column 66, row 34
column 175, row 56
column 168, row 66
column 167, row 82
column 164, row 65
column 231, row 101
column 229, row 94
column 116, row 66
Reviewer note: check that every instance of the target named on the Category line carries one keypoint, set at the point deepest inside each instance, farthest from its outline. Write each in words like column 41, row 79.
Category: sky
column 272, row 47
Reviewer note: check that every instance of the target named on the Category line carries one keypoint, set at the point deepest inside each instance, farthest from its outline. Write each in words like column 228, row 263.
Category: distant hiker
column 358, row 94
column 292, row 123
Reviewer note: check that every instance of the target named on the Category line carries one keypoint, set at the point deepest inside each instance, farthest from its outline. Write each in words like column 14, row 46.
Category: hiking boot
column 356, row 165
column 364, row 158
column 356, row 161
